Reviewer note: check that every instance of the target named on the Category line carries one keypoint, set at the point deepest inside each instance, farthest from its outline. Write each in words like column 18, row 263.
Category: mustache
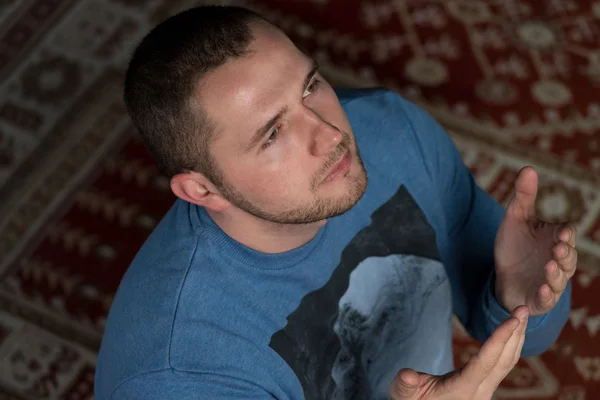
column 332, row 159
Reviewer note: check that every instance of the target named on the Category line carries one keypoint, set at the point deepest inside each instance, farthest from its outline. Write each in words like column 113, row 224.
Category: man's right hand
column 476, row 380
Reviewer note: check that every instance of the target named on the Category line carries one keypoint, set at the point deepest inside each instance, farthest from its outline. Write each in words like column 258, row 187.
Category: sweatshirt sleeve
column 170, row 384
column 472, row 218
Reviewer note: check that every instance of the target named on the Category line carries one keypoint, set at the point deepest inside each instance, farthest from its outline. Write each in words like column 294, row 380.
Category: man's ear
column 195, row 188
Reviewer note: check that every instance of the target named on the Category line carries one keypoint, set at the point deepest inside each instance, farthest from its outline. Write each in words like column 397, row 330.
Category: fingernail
column 565, row 250
column 524, row 318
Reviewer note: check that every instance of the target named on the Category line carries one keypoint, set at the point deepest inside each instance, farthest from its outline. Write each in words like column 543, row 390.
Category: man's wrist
column 497, row 294
column 498, row 312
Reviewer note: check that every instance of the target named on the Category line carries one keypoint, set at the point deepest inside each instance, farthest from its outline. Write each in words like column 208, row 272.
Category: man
column 322, row 239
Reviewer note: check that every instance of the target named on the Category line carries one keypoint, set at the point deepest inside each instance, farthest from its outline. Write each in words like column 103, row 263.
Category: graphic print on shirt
column 386, row 306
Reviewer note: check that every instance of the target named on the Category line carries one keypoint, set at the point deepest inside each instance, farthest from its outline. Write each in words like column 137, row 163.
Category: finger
column 405, row 385
column 567, row 233
column 483, row 364
column 555, row 277
column 546, row 299
column 523, row 327
column 566, row 256
column 514, row 345
column 522, row 203
column 510, row 356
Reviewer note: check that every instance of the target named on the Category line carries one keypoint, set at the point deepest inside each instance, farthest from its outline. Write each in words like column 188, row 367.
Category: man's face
column 283, row 144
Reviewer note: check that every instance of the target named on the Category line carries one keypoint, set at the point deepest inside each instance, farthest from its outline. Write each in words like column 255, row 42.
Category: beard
column 321, row 207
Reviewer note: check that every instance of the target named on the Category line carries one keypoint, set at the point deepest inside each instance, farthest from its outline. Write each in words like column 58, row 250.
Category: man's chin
column 316, row 213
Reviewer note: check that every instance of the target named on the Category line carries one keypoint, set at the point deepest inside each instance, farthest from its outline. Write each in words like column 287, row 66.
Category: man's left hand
column 534, row 259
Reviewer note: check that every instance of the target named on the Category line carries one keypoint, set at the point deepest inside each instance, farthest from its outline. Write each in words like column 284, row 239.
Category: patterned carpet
column 515, row 82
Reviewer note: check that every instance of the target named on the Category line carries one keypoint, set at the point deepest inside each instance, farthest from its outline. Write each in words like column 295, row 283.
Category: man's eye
column 312, row 88
column 272, row 138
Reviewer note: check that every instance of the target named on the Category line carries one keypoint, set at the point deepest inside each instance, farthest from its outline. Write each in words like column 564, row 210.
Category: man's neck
column 264, row 236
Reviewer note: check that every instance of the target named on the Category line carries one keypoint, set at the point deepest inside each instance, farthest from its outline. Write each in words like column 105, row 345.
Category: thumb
column 522, row 203
column 405, row 386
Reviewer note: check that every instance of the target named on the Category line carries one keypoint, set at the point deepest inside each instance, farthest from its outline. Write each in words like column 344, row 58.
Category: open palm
column 534, row 259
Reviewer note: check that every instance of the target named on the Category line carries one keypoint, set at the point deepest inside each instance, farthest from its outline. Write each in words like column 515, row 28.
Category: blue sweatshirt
column 200, row 316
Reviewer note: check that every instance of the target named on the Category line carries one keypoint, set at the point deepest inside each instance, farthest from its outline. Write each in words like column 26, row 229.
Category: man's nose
column 325, row 138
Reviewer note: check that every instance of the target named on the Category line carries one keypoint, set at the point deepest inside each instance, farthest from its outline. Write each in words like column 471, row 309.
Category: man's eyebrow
column 261, row 132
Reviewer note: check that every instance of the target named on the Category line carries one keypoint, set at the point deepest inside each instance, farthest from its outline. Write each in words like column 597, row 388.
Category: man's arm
column 472, row 218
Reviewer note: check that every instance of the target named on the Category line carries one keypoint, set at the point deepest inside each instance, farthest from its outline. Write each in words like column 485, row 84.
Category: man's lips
column 340, row 168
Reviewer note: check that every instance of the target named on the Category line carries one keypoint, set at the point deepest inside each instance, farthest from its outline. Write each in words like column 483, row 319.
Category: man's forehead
column 246, row 87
